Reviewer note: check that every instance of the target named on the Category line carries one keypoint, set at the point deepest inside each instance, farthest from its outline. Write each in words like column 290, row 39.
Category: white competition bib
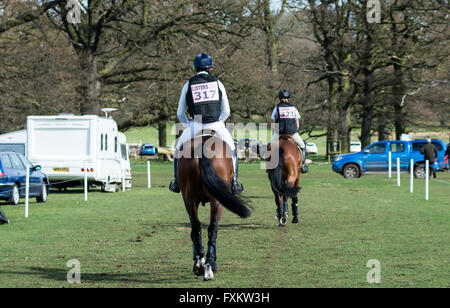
column 204, row 92
column 287, row 112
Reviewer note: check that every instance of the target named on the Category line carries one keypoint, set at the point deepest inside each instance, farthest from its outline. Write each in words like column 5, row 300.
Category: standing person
column 205, row 99
column 431, row 153
column 287, row 116
column 447, row 155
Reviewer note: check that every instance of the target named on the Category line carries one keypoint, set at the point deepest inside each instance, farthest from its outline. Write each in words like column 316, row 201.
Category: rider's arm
column 225, row 105
column 181, row 112
column 274, row 115
column 297, row 118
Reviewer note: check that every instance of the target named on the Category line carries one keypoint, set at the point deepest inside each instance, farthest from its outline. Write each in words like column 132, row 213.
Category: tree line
column 346, row 72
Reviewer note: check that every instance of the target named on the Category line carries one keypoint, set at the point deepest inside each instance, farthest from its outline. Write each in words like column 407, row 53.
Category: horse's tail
column 276, row 180
column 218, row 189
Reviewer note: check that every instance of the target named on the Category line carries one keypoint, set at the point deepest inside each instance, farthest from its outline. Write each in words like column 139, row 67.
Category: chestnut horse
column 285, row 178
column 204, row 180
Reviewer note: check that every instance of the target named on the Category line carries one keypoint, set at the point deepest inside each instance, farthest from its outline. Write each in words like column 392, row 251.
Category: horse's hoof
column 209, row 275
column 214, row 267
column 199, row 267
column 283, row 220
column 295, row 220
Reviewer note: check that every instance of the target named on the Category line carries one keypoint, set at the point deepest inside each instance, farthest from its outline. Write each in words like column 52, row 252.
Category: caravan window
column 115, row 144
column 101, row 142
column 106, row 142
column 11, row 147
column 123, row 150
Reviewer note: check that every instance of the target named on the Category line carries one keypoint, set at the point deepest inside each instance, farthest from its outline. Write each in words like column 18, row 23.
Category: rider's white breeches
column 297, row 138
column 195, row 128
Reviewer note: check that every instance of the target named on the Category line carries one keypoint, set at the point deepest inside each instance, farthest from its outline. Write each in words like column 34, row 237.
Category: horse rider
column 206, row 100
column 287, row 116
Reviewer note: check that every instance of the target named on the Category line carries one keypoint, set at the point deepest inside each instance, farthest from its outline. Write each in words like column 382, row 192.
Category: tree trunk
column 162, row 133
column 366, row 127
column 343, row 129
column 368, row 109
column 90, row 86
column 383, row 132
column 398, row 91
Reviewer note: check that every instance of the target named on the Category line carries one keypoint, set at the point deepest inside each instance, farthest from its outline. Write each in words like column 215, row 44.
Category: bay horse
column 204, row 179
column 285, row 177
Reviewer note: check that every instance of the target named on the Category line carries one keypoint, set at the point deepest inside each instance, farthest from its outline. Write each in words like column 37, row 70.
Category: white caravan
column 14, row 142
column 65, row 145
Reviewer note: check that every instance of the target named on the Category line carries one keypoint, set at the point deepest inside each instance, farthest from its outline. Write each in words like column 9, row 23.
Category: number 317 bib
column 205, row 92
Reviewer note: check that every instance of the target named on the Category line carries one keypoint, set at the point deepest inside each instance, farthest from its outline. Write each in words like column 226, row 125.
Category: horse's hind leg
column 211, row 255
column 279, row 210
column 285, row 211
column 295, row 209
column 196, row 237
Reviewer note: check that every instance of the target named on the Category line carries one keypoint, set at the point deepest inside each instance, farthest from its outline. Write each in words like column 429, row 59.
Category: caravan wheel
column 110, row 188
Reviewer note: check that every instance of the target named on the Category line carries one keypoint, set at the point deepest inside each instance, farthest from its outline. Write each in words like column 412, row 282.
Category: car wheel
column 351, row 171
column 419, row 171
column 15, row 197
column 44, row 193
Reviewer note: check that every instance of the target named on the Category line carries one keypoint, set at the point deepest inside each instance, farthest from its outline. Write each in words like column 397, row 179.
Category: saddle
column 207, row 133
column 288, row 138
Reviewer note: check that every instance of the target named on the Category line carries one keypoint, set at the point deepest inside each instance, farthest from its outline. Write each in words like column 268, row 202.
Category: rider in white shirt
column 205, row 98
column 287, row 116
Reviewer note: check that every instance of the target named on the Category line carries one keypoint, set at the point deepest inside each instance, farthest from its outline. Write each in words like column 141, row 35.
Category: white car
column 311, row 148
column 355, row 147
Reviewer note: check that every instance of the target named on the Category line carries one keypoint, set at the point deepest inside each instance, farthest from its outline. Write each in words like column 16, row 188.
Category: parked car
column 355, row 147
column 311, row 148
column 147, row 149
column 13, row 178
column 374, row 158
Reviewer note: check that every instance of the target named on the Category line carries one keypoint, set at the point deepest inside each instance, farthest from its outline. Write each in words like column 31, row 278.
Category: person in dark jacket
column 447, row 155
column 431, row 153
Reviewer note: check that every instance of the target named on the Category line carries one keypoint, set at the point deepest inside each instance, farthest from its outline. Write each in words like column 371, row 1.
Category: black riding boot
column 236, row 187
column 3, row 219
column 304, row 167
column 294, row 213
column 174, row 187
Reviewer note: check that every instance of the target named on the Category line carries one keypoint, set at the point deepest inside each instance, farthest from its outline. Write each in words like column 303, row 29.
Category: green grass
column 141, row 238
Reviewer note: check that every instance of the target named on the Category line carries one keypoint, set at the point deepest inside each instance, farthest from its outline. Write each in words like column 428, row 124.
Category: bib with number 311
column 205, row 92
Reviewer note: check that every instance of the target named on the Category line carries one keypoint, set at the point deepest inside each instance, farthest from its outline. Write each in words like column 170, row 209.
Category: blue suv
column 13, row 178
column 375, row 158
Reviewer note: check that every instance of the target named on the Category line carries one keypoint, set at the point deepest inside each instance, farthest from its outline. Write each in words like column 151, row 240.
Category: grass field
column 141, row 238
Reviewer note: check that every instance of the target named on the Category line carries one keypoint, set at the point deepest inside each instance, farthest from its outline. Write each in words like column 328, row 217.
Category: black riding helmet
column 284, row 94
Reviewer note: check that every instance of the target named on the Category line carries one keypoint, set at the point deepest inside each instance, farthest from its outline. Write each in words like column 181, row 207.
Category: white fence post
column 149, row 177
column 390, row 164
column 85, row 181
column 398, row 171
column 123, row 181
column 411, row 176
column 27, row 189
column 427, row 179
